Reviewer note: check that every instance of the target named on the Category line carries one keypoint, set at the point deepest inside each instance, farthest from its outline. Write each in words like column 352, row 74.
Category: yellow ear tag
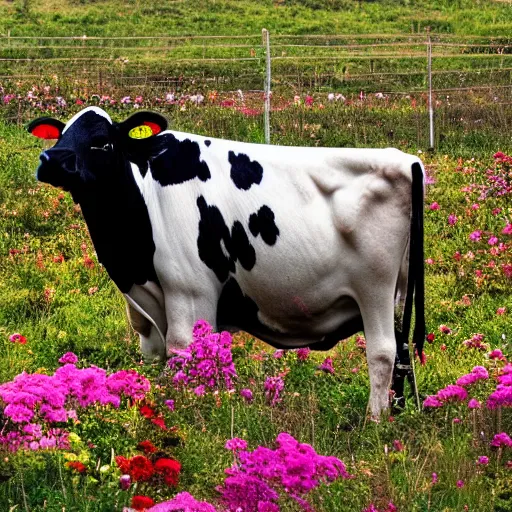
column 140, row 132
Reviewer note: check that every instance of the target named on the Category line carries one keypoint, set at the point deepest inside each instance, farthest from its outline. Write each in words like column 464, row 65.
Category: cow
column 300, row 247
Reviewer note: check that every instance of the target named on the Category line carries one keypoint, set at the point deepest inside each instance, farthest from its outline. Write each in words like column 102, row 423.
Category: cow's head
column 90, row 147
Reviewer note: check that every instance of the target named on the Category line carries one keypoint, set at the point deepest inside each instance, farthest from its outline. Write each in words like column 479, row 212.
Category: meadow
column 87, row 426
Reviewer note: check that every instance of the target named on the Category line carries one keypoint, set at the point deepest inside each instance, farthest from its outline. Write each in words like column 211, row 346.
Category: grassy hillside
column 229, row 17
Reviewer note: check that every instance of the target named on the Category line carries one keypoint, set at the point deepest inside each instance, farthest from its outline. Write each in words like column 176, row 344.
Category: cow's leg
column 377, row 312
column 151, row 343
column 183, row 310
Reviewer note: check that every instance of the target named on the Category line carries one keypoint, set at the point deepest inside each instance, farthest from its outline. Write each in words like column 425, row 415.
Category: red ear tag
column 46, row 131
column 154, row 127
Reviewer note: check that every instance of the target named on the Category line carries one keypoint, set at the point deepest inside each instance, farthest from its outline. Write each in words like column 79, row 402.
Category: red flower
column 431, row 337
column 169, row 469
column 159, row 422
column 147, row 447
column 123, row 463
column 17, row 338
column 141, row 468
column 146, row 411
column 142, row 502
column 77, row 466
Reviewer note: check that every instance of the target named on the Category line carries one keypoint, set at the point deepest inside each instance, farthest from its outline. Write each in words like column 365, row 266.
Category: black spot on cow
column 213, row 231
column 263, row 223
column 242, row 250
column 174, row 162
column 213, row 234
column 207, row 143
column 244, row 172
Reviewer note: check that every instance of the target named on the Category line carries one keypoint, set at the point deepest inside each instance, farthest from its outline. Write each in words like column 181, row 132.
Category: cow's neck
column 120, row 228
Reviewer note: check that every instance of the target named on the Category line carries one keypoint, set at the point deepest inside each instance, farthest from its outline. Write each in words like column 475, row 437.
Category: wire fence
column 467, row 74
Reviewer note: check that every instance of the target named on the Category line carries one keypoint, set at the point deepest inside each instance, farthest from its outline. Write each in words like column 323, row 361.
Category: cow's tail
column 416, row 273
column 415, row 295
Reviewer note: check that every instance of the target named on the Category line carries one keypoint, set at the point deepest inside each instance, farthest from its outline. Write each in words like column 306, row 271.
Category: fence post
column 266, row 43
column 430, row 104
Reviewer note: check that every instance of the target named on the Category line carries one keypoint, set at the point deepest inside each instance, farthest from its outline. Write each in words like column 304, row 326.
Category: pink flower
column 460, row 484
column 434, row 478
column 68, row 358
column 493, row 240
column 432, row 401
column 125, row 482
column 474, row 404
column 501, row 311
column 17, row 338
column 398, row 445
column 452, row 219
column 507, row 230
column 483, row 460
column 303, row 353
column 475, row 236
column 496, row 354
column 445, row 329
column 434, row 206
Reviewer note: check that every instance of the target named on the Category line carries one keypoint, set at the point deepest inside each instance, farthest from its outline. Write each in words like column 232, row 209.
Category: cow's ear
column 46, row 128
column 143, row 125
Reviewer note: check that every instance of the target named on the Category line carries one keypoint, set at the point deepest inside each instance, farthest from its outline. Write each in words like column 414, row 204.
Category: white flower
column 330, row 96
column 169, row 96
column 379, row 96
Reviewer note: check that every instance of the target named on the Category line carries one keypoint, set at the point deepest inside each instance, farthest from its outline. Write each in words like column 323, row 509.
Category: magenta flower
column 501, row 439
column 477, row 373
column 474, row 404
column 452, row 219
column 434, row 478
column 475, row 236
column 183, row 502
column 170, row 404
column 303, row 353
column 432, row 401
column 246, row 393
column 236, row 444
column 452, row 392
column 68, row 358
column 434, row 206
column 460, row 484
column 483, row 460
column 493, row 240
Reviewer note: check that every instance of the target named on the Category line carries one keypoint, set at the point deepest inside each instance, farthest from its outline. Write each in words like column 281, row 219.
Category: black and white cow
column 298, row 246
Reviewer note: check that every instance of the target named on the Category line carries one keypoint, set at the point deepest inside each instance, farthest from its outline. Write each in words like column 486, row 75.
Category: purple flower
column 125, row 482
column 207, row 363
column 68, row 358
column 327, row 365
column 483, row 460
column 278, row 354
column 493, row 240
column 273, row 388
column 247, row 394
column 434, row 478
column 170, row 404
column 475, row 236
column 452, row 219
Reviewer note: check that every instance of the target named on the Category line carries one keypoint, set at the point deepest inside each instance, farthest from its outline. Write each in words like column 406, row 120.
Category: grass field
column 55, row 297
